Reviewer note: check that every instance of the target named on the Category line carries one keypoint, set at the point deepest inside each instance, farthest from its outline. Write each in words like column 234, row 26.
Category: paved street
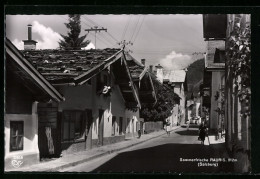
column 162, row 154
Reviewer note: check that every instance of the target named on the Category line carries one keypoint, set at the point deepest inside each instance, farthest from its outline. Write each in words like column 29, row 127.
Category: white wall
column 179, row 89
column 85, row 97
column 117, row 110
column 134, row 117
column 30, row 140
column 215, row 86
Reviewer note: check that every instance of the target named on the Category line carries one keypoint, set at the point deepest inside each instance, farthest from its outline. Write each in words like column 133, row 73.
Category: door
column 48, row 131
column 100, row 127
column 120, row 125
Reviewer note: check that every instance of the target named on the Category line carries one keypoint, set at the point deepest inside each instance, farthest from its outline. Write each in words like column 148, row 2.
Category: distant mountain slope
column 195, row 75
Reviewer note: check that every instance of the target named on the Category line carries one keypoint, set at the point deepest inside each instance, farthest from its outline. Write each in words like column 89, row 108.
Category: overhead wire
column 94, row 23
column 126, row 27
column 102, row 35
column 108, row 41
column 135, row 28
column 139, row 29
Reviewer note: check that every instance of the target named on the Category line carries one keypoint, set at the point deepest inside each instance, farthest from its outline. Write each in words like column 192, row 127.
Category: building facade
column 25, row 87
column 178, row 81
column 99, row 90
column 238, row 90
column 215, row 65
column 234, row 97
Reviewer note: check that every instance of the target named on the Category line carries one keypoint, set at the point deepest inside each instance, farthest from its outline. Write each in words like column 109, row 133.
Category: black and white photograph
column 127, row 93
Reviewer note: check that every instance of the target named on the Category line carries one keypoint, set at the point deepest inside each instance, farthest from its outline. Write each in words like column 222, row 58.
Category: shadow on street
column 188, row 132
column 166, row 158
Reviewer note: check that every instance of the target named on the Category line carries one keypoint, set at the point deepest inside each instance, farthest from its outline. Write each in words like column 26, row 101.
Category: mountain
column 195, row 76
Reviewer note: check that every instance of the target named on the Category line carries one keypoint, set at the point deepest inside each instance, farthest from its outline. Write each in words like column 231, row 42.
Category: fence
column 152, row 126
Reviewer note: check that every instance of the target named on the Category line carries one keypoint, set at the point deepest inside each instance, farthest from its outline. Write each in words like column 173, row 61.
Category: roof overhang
column 31, row 72
column 133, row 87
column 144, row 77
column 79, row 80
column 215, row 69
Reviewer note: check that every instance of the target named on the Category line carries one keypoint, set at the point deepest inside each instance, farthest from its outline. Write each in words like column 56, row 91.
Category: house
column 215, row 65
column 142, row 79
column 233, row 92
column 25, row 88
column 214, row 27
column 238, row 90
column 205, row 92
column 98, row 88
column 178, row 81
column 100, row 98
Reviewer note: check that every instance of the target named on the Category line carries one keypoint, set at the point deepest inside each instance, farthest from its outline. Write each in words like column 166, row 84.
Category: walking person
column 188, row 124
column 202, row 132
column 168, row 127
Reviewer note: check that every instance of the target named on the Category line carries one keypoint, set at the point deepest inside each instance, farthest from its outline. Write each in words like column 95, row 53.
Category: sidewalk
column 84, row 156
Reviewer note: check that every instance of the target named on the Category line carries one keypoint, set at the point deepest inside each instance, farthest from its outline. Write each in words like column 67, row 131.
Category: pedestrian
column 168, row 127
column 139, row 133
column 188, row 124
column 202, row 132
column 199, row 120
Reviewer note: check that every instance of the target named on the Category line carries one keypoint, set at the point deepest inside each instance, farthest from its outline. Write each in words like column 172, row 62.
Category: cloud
column 49, row 37
column 176, row 61
column 89, row 46
column 18, row 44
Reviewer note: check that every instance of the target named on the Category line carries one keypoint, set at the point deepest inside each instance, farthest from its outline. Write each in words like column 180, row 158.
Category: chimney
column 151, row 68
column 159, row 72
column 29, row 44
column 158, row 66
column 29, row 32
column 143, row 62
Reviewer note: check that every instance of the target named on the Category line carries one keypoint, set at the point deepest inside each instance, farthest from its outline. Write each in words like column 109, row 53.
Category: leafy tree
column 166, row 100
column 72, row 41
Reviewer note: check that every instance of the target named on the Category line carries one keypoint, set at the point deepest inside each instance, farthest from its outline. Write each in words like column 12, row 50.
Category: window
column 74, row 125
column 120, row 125
column 16, row 135
column 113, row 125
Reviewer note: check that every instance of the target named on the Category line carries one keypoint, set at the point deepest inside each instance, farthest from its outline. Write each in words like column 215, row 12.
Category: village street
column 162, row 154
column 76, row 104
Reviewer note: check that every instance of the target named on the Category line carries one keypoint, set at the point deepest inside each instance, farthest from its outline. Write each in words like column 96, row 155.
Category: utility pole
column 124, row 43
column 96, row 29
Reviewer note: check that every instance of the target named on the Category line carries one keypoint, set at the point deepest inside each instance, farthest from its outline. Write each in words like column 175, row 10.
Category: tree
column 72, row 41
column 166, row 100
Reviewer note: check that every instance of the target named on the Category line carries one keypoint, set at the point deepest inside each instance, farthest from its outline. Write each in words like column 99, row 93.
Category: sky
column 169, row 40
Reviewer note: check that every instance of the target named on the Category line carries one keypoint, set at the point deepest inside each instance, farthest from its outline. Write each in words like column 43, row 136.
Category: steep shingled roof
column 135, row 67
column 143, row 80
column 29, row 75
column 63, row 66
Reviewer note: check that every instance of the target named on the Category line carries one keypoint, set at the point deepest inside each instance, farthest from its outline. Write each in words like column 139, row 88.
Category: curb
column 99, row 155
